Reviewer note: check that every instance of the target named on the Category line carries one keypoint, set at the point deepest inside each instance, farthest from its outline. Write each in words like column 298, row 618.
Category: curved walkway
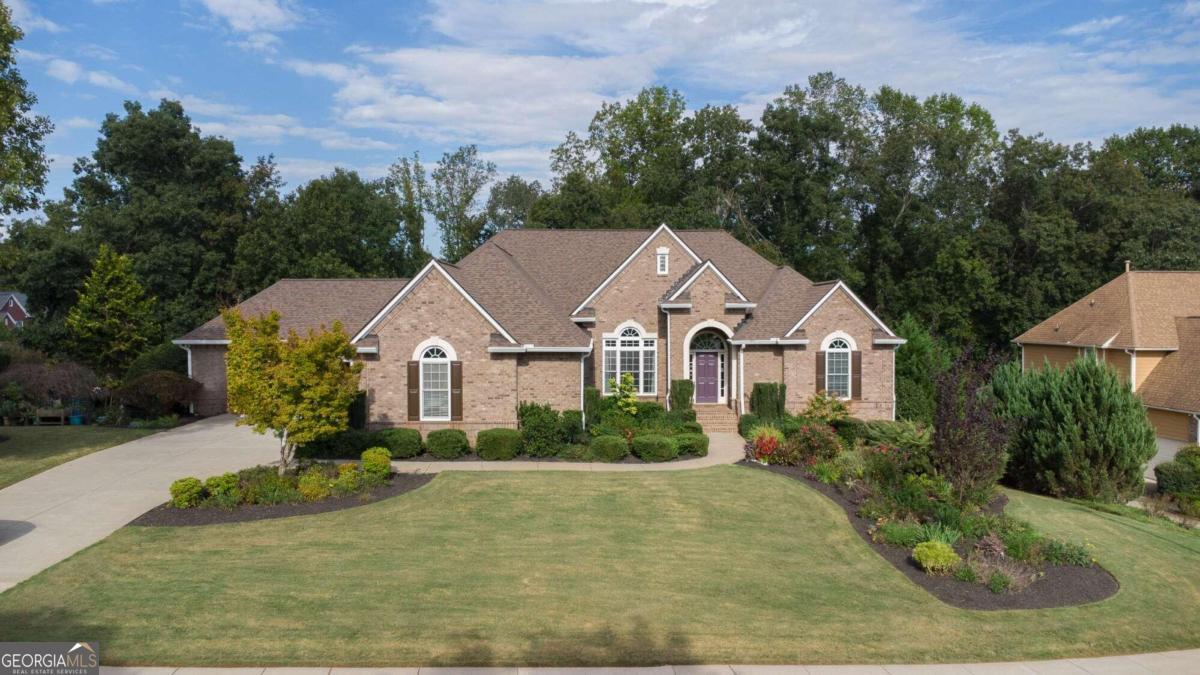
column 723, row 448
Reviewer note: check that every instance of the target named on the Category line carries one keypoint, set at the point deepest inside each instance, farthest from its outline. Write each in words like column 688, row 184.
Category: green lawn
column 722, row 565
column 32, row 450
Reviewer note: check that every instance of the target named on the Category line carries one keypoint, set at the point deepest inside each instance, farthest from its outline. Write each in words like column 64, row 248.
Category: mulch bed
column 169, row 516
column 1061, row 585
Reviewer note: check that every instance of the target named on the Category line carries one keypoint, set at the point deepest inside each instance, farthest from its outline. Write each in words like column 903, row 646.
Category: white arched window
column 837, row 368
column 630, row 352
column 435, row 385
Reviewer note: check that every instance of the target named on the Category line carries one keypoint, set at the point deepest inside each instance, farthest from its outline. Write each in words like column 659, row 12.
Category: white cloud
column 71, row 72
column 29, row 20
column 1093, row 26
column 78, row 123
column 248, row 16
column 296, row 171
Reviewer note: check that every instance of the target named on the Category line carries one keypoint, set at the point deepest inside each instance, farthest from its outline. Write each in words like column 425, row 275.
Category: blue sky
column 357, row 83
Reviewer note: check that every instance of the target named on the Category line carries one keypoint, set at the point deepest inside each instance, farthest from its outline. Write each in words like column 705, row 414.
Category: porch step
column 717, row 418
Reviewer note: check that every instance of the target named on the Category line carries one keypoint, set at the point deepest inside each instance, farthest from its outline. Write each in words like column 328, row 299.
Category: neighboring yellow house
column 1146, row 325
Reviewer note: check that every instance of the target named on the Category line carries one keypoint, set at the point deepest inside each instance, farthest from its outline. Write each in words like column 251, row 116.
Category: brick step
column 717, row 418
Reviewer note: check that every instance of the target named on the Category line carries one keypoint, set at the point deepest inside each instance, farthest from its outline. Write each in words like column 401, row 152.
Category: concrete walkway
column 722, row 449
column 50, row 516
column 1140, row 664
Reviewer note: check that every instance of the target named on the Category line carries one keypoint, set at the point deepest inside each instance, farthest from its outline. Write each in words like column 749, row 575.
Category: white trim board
column 708, row 265
column 862, row 305
column 621, row 268
column 182, row 342
column 433, row 264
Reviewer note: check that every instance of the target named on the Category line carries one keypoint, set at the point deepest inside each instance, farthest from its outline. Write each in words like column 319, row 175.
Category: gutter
column 534, row 349
column 770, row 341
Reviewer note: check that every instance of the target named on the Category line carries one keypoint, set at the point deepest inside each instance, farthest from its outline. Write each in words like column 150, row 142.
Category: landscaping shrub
column 825, row 409
column 998, row 582
column 827, row 472
column 695, row 445
column 682, row 392
column 348, row 444
column 164, row 422
column 572, row 430
column 1059, row 552
column 935, row 557
column 165, row 356
column 1177, row 478
column 969, row 438
column 223, row 490
column 609, row 448
column 186, row 493
column 850, row 430
column 314, row 483
column 690, row 428
column 812, row 443
column 498, row 444
column 593, row 403
column 681, row 417
column 918, row 363
column 966, row 573
column 654, row 448
column 401, row 443
column 264, row 485
column 541, row 429
column 350, row 479
column 764, row 443
column 746, row 423
column 377, row 463
column 356, row 416
column 851, row 464
column 906, row 435
column 939, row 532
column 902, row 534
column 768, row 400
column 447, row 443
column 1079, row 432
column 157, row 393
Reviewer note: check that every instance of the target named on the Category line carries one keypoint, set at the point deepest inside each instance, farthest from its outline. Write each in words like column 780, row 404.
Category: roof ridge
column 547, row 299
column 342, row 279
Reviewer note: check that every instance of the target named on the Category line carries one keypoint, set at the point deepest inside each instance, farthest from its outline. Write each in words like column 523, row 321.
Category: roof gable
column 833, row 289
column 695, row 273
column 632, row 256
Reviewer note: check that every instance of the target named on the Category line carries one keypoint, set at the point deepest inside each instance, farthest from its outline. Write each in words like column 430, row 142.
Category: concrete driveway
column 50, row 516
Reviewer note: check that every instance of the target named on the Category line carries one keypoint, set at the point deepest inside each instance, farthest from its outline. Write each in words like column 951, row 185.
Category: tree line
column 921, row 205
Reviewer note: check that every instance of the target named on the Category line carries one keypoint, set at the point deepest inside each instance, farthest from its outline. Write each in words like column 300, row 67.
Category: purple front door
column 707, row 390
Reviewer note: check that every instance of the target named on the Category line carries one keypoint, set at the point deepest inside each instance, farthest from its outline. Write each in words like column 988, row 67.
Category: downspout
column 582, row 409
column 668, row 358
column 191, row 405
column 742, row 380
column 894, row 378
column 1196, row 419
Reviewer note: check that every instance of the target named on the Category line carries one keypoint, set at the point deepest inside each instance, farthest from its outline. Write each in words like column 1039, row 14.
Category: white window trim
column 434, row 341
column 421, row 360
column 849, row 352
column 662, row 261
column 640, row 350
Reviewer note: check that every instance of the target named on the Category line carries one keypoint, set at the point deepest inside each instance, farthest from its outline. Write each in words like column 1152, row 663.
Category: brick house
column 537, row 315
column 12, row 309
column 1146, row 326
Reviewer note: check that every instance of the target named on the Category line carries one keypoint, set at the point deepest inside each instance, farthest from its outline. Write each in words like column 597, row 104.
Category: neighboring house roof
column 1136, row 310
column 23, row 302
column 1172, row 383
column 308, row 304
column 533, row 285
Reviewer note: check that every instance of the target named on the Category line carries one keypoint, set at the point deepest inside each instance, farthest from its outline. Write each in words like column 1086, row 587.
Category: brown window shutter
column 820, row 371
column 856, row 375
column 414, row 391
column 456, row 403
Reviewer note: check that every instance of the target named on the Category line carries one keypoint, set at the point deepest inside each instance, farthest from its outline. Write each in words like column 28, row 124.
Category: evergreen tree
column 113, row 321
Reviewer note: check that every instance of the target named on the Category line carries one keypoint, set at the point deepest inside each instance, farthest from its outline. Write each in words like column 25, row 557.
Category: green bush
column 966, row 573
column 572, row 427
column 447, row 443
column 746, row 423
column 348, row 444
column 402, row 443
column 902, row 534
column 264, row 485
column 377, row 463
column 165, row 356
column 223, row 490
column 695, row 445
column 357, row 414
column 350, row 479
column 609, row 448
column 593, row 405
column 682, row 392
column 768, row 400
column 1057, row 552
column 691, row 428
column 940, row 532
column 812, row 443
column 541, row 429
column 998, row 582
column 158, row 393
column 498, row 444
column 315, row 483
column 827, row 472
column 935, row 557
column 851, row 430
column 681, row 417
column 910, row 436
column 1079, row 432
column 654, row 448
column 187, row 493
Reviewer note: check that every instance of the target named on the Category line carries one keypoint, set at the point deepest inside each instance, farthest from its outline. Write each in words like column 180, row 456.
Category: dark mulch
column 167, row 515
column 1061, row 585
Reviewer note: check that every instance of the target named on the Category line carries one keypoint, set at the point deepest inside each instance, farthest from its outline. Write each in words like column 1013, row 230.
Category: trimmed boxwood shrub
column 377, row 463
column 691, row 428
column 695, row 445
column 593, row 404
column 315, row 483
column 493, row 444
column 609, row 448
column 541, row 429
column 935, row 557
column 655, row 448
column 186, row 493
column 767, row 400
column 402, row 443
column 681, row 394
column 223, row 490
column 746, row 423
column 447, row 443
column 1178, row 477
column 348, row 444
column 571, row 423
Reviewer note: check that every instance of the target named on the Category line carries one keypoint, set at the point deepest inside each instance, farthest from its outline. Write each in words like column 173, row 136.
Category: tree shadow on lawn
column 54, row 625
column 640, row 645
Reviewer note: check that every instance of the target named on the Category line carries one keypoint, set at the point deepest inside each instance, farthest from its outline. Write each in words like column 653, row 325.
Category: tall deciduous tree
column 409, row 187
column 510, row 202
column 113, row 320
column 22, row 153
column 299, row 388
column 458, row 182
